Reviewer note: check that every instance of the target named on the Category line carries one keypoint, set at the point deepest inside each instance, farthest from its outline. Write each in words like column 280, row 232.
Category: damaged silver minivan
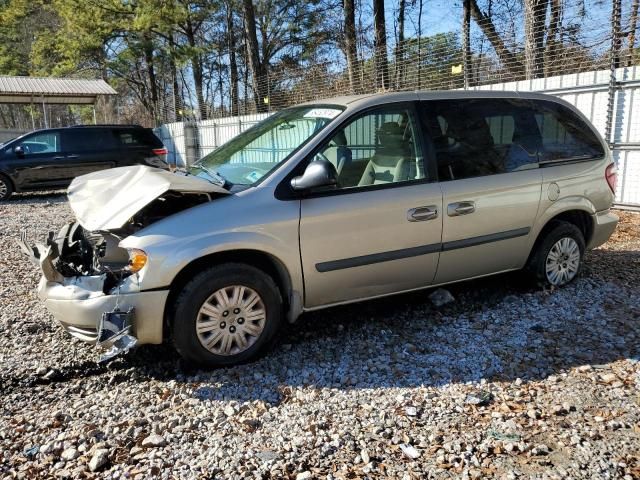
column 323, row 204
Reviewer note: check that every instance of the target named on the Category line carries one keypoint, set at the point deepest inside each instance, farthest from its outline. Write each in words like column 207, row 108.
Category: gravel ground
column 504, row 382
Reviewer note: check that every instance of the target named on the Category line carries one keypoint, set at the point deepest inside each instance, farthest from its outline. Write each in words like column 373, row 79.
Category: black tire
column 6, row 188
column 203, row 286
column 556, row 231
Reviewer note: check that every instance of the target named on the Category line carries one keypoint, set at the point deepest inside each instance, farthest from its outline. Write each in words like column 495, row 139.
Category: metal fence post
column 613, row 65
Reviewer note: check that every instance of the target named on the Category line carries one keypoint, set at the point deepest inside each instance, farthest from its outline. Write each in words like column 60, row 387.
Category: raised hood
column 107, row 199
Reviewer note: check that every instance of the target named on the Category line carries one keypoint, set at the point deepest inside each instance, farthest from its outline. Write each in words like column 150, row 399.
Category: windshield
column 254, row 154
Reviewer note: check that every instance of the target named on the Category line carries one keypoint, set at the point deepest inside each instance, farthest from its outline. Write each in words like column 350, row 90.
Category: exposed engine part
column 164, row 206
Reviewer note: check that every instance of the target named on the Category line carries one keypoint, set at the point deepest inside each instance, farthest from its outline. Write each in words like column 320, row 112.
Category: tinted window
column 376, row 148
column 564, row 135
column 88, row 139
column 43, row 142
column 137, row 137
column 480, row 137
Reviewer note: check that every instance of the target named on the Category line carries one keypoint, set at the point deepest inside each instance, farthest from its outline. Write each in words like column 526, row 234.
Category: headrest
column 390, row 134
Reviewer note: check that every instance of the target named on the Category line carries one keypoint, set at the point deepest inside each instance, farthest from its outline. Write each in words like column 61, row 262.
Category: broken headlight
column 137, row 260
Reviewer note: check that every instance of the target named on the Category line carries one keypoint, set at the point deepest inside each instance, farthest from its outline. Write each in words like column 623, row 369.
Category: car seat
column 389, row 163
column 338, row 153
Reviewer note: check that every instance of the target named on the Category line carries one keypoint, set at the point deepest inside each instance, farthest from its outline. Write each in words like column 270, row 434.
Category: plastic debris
column 441, row 297
column 410, row 451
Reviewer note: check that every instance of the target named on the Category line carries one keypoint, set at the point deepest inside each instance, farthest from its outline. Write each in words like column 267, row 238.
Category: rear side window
column 138, row 137
column 88, row 139
column 479, row 137
column 564, row 135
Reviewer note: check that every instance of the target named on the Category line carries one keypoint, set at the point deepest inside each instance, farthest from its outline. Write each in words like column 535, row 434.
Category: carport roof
column 52, row 90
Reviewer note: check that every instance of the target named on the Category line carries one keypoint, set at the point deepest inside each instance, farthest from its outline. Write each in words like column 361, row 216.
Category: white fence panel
column 588, row 91
column 172, row 136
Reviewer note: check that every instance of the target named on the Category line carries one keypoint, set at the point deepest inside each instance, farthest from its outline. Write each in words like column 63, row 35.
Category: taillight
column 160, row 151
column 611, row 175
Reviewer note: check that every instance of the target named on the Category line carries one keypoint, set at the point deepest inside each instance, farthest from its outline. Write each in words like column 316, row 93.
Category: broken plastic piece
column 114, row 325
column 409, row 451
column 121, row 345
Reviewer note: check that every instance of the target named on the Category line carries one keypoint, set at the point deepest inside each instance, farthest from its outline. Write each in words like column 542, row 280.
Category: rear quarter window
column 138, row 137
column 565, row 136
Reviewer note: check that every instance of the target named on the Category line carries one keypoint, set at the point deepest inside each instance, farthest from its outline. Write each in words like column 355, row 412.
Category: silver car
column 328, row 203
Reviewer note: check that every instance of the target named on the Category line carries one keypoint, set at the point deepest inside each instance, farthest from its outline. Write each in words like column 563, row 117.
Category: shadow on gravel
column 56, row 196
column 499, row 328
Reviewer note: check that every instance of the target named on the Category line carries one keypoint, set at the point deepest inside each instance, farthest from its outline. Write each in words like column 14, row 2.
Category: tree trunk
column 196, row 66
column 466, row 42
column 551, row 61
column 633, row 24
column 485, row 23
column 535, row 13
column 255, row 65
column 380, row 44
column 400, row 66
column 233, row 63
column 151, row 76
column 350, row 44
column 177, row 99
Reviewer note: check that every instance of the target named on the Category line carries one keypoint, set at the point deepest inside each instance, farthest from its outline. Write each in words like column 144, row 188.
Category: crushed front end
column 92, row 288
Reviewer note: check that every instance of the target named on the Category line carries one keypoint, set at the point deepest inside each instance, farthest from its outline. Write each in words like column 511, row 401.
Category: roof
column 52, row 90
column 368, row 100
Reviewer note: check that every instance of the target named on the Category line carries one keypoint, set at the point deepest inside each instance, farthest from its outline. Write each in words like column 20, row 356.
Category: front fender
column 166, row 262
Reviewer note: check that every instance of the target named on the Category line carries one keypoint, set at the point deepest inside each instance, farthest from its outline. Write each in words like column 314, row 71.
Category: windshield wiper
column 215, row 176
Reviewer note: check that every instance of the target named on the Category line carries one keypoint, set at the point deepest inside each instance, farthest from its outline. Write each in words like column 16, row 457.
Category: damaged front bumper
column 78, row 304
column 92, row 301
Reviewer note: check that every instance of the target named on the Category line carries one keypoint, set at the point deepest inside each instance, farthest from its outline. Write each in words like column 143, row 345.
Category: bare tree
column 400, row 45
column 535, row 13
column 253, row 50
column 551, row 48
column 508, row 59
column 233, row 62
column 633, row 25
column 350, row 45
column 381, row 61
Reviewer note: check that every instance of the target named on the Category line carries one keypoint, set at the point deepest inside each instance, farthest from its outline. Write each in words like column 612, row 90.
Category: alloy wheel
column 4, row 189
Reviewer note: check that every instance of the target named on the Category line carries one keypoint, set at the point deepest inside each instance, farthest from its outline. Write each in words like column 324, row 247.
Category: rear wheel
column 6, row 188
column 226, row 315
column 557, row 258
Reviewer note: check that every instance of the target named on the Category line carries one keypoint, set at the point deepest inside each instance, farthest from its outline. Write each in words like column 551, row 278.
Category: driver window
column 377, row 148
column 48, row 142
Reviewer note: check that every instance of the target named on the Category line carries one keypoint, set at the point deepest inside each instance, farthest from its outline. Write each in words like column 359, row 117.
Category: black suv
column 50, row 159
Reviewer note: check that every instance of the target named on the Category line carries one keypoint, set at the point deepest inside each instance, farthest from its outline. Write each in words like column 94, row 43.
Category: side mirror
column 19, row 151
column 319, row 173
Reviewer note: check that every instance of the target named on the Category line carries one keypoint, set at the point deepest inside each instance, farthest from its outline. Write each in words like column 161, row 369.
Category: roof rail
column 106, row 125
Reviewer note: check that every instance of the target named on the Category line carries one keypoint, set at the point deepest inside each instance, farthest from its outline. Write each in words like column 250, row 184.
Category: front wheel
column 225, row 315
column 557, row 258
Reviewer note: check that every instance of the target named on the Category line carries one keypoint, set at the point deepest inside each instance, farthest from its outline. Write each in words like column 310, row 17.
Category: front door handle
column 72, row 157
column 460, row 208
column 420, row 214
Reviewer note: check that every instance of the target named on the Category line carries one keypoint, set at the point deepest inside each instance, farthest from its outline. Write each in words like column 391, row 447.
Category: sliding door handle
column 420, row 214
column 460, row 208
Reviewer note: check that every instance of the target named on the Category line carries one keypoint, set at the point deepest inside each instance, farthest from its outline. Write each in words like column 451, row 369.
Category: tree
column 350, row 44
column 380, row 45
column 253, row 55
column 400, row 65
column 535, row 16
column 233, row 63
column 485, row 22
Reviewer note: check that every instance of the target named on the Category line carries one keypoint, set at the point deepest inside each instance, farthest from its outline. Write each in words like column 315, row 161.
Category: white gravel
column 503, row 382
